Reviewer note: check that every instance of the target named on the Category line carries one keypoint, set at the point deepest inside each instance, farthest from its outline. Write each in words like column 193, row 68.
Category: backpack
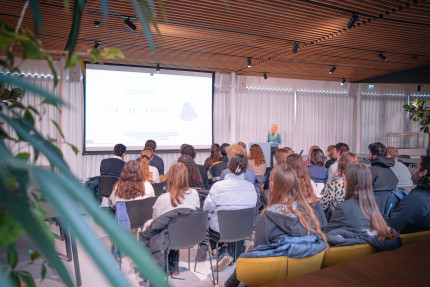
column 394, row 200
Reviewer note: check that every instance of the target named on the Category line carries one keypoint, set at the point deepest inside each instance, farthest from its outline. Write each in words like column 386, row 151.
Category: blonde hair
column 276, row 128
column 234, row 149
column 393, row 152
column 146, row 155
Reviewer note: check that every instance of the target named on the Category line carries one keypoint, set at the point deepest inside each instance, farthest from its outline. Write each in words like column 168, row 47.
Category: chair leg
column 67, row 242
column 210, row 260
column 217, row 271
column 189, row 268
column 76, row 259
column 167, row 266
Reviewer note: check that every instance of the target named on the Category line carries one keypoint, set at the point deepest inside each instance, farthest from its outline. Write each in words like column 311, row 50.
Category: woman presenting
column 275, row 142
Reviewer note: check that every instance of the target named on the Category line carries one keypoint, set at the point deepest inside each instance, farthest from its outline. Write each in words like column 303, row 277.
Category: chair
column 140, row 211
column 337, row 255
column 234, row 225
column 415, row 237
column 159, row 188
column 262, row 271
column 106, row 184
column 187, row 231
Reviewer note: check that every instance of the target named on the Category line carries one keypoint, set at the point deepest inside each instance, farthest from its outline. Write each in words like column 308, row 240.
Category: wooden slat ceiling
column 220, row 35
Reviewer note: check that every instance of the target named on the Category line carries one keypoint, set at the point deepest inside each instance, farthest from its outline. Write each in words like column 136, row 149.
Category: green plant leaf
column 74, row 148
column 36, row 12
column 12, row 256
column 10, row 230
column 144, row 21
column 4, row 281
column 23, row 155
column 34, row 255
column 105, row 8
column 78, row 8
column 26, row 277
column 29, row 118
column 43, row 271
column 69, row 213
column 27, row 86
column 58, row 128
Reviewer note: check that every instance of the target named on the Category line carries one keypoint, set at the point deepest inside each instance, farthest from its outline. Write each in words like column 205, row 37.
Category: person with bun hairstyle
column 150, row 173
column 232, row 193
column 287, row 215
column 131, row 184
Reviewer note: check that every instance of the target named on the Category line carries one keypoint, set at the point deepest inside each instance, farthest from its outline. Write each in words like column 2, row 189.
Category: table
column 406, row 266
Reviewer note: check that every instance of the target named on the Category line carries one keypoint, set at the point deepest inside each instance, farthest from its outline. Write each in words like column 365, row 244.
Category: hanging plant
column 421, row 114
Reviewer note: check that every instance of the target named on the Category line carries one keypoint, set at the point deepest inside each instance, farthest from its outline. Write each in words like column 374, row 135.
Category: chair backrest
column 262, row 271
column 140, row 211
column 235, row 225
column 337, row 255
column 159, row 188
column 106, row 185
column 188, row 230
column 415, row 237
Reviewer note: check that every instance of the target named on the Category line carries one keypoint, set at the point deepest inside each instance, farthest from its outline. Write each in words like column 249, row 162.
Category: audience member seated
column 232, row 150
column 357, row 220
column 242, row 144
column 217, row 167
column 317, row 171
column 131, row 184
column 384, row 181
column 113, row 166
column 215, row 155
column 280, row 158
column 257, row 162
column 332, row 171
column 306, row 187
column 308, row 160
column 288, row 216
column 156, row 161
column 331, row 151
column 232, row 193
column 188, row 154
column 334, row 193
column 178, row 195
column 400, row 170
column 150, row 173
column 412, row 214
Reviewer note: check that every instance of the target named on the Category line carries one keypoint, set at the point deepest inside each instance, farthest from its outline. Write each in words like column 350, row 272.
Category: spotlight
column 249, row 62
column 343, row 81
column 332, row 70
column 265, row 76
column 352, row 21
column 96, row 45
column 414, row 57
column 296, row 47
column 382, row 57
column 157, row 69
column 130, row 24
column 97, row 23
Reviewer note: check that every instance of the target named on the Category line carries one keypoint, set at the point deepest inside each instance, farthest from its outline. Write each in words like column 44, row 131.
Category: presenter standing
column 275, row 142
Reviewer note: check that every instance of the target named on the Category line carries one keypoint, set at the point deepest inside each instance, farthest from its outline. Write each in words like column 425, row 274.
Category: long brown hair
column 297, row 163
column 194, row 177
column 285, row 190
column 177, row 183
column 130, row 183
column 359, row 181
column 257, row 155
column 345, row 159
column 215, row 154
column 282, row 154
column 146, row 155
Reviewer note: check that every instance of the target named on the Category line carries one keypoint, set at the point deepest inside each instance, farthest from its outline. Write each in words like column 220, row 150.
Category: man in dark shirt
column 156, row 161
column 384, row 181
column 412, row 214
column 113, row 166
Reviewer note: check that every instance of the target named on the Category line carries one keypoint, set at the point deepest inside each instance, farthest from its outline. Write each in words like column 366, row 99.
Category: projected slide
column 130, row 105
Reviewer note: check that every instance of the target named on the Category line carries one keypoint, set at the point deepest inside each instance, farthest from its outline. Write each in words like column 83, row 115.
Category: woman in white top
column 131, row 184
column 178, row 195
column 149, row 172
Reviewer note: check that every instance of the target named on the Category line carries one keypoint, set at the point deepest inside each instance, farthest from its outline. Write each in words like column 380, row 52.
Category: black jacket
column 216, row 168
column 156, row 236
column 384, row 181
column 412, row 214
column 111, row 166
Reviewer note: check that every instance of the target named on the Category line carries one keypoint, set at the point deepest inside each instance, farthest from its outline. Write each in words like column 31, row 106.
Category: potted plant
column 421, row 114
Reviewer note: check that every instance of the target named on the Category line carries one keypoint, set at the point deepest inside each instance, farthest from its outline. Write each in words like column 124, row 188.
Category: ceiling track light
column 332, row 70
column 382, row 57
column 130, row 24
column 97, row 23
column 343, row 81
column 249, row 62
column 157, row 69
column 296, row 47
column 96, row 45
column 352, row 21
column 265, row 76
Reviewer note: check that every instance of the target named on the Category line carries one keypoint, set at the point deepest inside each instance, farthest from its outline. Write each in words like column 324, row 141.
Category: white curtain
column 323, row 119
column 383, row 119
